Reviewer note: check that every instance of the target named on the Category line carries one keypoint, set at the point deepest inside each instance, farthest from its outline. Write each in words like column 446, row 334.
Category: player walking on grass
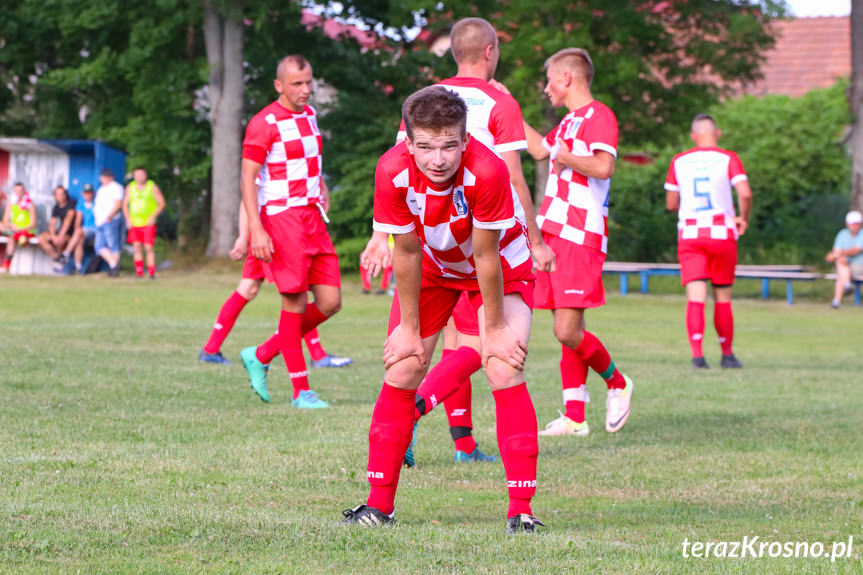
column 699, row 189
column 286, row 199
column 573, row 219
column 494, row 118
column 247, row 290
column 448, row 202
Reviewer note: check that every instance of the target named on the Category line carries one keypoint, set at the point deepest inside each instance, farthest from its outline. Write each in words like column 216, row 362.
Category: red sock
column 312, row 318
column 139, row 268
column 695, row 327
column 291, row 346
column 225, row 322
column 455, row 367
column 389, row 437
column 458, row 414
column 573, row 375
column 365, row 277
column 268, row 350
column 516, row 438
column 385, row 277
column 723, row 319
column 313, row 342
column 593, row 353
column 151, row 270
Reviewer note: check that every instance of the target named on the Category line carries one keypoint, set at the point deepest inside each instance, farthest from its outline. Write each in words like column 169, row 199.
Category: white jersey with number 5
column 704, row 177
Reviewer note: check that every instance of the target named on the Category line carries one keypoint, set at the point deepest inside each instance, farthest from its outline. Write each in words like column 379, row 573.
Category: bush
column 349, row 253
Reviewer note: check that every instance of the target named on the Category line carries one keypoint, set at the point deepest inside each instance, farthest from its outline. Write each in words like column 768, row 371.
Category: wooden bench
column 768, row 273
column 29, row 259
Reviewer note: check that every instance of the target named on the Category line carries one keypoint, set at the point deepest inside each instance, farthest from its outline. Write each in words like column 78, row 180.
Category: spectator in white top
column 847, row 254
column 108, row 203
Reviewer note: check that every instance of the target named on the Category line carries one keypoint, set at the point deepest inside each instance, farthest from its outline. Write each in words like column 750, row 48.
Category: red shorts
column 577, row 282
column 303, row 253
column 437, row 302
column 27, row 236
column 142, row 235
column 707, row 259
column 253, row 269
column 465, row 316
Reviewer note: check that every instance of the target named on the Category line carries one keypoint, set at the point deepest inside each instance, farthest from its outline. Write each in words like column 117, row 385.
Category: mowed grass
column 121, row 453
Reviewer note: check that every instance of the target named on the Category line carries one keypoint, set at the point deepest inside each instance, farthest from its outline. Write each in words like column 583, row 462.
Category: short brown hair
column 576, row 60
column 469, row 37
column 297, row 60
column 434, row 108
column 703, row 118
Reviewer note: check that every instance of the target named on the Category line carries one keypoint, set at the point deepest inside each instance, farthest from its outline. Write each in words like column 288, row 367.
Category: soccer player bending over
column 448, row 202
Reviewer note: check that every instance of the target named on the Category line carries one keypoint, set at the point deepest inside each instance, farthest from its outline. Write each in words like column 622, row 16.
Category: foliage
column 798, row 169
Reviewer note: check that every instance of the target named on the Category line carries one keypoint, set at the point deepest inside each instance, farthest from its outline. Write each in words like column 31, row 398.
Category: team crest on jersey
column 572, row 129
column 458, row 201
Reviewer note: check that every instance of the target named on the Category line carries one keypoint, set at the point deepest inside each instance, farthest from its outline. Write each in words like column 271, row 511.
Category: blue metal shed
column 86, row 159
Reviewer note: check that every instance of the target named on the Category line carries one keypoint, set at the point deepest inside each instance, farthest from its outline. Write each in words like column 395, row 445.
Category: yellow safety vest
column 20, row 217
column 142, row 203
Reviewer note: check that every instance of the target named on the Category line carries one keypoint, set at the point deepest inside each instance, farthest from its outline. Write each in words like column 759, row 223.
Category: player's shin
column 573, row 377
column 290, row 344
column 225, row 322
column 516, row 436
column 458, row 413
column 389, row 437
column 594, row 354
column 446, row 378
column 695, row 327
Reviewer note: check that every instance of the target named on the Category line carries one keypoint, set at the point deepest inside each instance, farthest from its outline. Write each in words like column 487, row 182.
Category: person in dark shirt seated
column 55, row 241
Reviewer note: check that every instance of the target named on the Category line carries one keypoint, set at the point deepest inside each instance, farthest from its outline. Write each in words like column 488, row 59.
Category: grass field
column 121, row 453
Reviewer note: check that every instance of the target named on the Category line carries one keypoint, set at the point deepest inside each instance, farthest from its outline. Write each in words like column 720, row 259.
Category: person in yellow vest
column 142, row 204
column 19, row 221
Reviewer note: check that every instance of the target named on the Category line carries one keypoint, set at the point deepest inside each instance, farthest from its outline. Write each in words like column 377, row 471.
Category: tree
column 855, row 100
column 223, row 35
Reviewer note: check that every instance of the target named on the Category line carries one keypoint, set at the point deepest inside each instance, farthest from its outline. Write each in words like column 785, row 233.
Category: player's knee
column 520, row 445
column 407, row 373
column 502, row 375
column 569, row 335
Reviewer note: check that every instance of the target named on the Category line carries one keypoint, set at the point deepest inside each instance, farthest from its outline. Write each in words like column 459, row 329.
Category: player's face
column 140, row 177
column 557, row 83
column 294, row 87
column 438, row 152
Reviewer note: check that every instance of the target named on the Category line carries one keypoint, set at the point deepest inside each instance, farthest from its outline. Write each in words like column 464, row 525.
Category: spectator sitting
column 109, row 200
column 847, row 254
column 19, row 221
column 56, row 241
column 85, row 227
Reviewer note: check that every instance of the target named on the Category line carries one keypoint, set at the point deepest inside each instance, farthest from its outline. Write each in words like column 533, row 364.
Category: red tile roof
column 809, row 53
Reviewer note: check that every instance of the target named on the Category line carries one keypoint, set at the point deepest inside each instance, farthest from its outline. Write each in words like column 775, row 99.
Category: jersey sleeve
column 258, row 140
column 492, row 201
column 735, row 169
column 600, row 131
column 507, row 126
column 671, row 180
column 391, row 214
column 838, row 243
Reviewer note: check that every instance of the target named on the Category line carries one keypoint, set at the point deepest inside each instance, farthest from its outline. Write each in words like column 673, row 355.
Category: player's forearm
column 672, row 201
column 598, row 165
column 534, row 143
column 745, row 207
column 407, row 269
column 489, row 275
column 249, row 191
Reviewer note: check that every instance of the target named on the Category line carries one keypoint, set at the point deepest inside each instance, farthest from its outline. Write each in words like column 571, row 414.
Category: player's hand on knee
column 504, row 345
column 402, row 344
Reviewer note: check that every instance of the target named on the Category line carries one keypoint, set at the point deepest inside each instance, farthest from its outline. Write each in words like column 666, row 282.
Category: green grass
column 121, row 453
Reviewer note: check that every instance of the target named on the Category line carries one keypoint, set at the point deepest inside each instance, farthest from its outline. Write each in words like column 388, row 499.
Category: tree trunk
column 223, row 36
column 856, row 104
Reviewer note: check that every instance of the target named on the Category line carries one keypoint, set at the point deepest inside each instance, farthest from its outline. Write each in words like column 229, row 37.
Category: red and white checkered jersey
column 703, row 177
column 575, row 207
column 288, row 146
column 493, row 118
column 444, row 217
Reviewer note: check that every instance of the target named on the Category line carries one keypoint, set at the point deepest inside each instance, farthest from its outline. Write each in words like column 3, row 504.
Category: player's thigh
column 472, row 341
column 249, row 287
column 694, row 261
column 328, row 298
column 722, row 262
column 569, row 325
column 409, row 373
column 722, row 294
column 450, row 335
column 696, row 291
